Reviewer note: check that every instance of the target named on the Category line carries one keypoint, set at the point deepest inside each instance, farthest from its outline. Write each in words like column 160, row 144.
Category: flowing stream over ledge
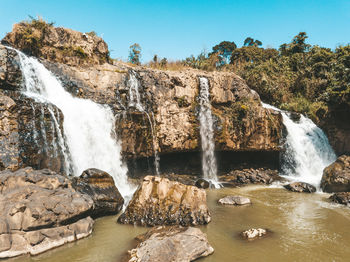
column 88, row 126
column 307, row 152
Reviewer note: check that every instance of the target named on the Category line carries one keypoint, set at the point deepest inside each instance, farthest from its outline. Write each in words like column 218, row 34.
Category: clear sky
column 176, row 29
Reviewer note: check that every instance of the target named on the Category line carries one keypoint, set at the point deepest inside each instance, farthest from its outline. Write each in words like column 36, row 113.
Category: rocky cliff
column 155, row 110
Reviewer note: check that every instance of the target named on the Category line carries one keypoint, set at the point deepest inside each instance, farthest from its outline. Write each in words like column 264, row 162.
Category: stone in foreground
column 254, row 233
column 234, row 200
column 175, row 243
column 300, row 187
column 336, row 177
column 159, row 201
column 100, row 186
column 40, row 210
column 341, row 198
column 202, row 183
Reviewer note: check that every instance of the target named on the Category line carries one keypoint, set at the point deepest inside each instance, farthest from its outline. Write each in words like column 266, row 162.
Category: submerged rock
column 99, row 185
column 300, row 187
column 159, row 201
column 234, row 200
column 40, row 210
column 336, row 177
column 202, row 183
column 253, row 233
column 176, row 244
column 341, row 198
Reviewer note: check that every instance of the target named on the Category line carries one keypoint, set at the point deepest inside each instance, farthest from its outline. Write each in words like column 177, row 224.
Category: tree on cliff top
column 135, row 54
column 224, row 50
column 251, row 42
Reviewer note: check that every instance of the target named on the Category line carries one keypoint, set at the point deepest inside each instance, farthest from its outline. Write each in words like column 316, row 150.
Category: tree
column 251, row 42
column 224, row 50
column 135, row 54
column 297, row 45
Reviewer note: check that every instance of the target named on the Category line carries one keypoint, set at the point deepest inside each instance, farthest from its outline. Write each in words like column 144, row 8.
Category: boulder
column 175, row 243
column 254, row 233
column 250, row 176
column 159, row 201
column 341, row 198
column 40, row 210
column 336, row 177
column 234, row 200
column 300, row 187
column 202, row 183
column 99, row 185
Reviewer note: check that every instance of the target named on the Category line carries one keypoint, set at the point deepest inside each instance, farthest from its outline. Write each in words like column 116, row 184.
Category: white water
column 135, row 101
column 307, row 150
column 207, row 133
column 88, row 127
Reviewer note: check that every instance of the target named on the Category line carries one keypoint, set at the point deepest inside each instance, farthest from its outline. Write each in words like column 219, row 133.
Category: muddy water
column 306, row 227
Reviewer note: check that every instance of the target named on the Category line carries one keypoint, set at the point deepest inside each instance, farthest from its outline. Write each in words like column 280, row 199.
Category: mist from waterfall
column 88, row 127
column 135, row 102
column 207, row 133
column 307, row 150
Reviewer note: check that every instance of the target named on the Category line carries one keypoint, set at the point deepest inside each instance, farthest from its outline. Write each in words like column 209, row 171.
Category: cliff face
column 165, row 116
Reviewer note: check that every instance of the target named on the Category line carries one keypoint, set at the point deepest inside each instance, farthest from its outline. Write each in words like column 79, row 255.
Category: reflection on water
column 305, row 228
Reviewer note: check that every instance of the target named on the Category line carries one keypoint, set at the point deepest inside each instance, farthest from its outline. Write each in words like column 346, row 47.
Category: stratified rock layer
column 176, row 244
column 336, row 177
column 99, row 185
column 159, row 201
column 40, row 210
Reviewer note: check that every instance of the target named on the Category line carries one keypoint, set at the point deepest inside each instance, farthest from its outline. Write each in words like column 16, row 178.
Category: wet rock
column 336, row 177
column 202, row 183
column 253, row 233
column 250, row 176
column 234, row 200
column 159, row 201
column 341, row 198
column 10, row 71
column 177, row 244
column 99, row 185
column 295, row 116
column 300, row 187
column 40, row 210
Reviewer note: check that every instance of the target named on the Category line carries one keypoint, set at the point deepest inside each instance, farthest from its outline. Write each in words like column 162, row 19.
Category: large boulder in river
column 234, row 200
column 40, row 210
column 336, row 177
column 99, row 185
column 159, row 201
column 300, row 187
column 176, row 244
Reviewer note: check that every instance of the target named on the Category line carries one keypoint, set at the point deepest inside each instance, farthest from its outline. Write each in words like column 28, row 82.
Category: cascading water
column 135, row 101
column 88, row 127
column 307, row 150
column 207, row 133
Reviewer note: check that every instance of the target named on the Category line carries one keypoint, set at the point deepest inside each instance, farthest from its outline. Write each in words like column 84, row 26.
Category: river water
column 306, row 227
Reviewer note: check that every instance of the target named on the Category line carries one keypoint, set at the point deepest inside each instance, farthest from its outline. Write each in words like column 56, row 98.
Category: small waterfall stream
column 307, row 150
column 207, row 133
column 135, row 102
column 88, row 127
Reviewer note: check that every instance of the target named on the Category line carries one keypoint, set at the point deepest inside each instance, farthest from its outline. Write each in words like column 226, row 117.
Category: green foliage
column 224, row 51
column 92, row 33
column 135, row 54
column 251, row 42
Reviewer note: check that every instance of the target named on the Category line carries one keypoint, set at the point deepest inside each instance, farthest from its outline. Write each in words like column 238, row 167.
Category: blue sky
column 177, row 29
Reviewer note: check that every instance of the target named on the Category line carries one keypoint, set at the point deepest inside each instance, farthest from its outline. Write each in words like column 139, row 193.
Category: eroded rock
column 40, row 210
column 254, row 233
column 234, row 200
column 336, row 177
column 341, row 198
column 300, row 187
column 99, row 185
column 176, row 244
column 159, row 201
column 250, row 176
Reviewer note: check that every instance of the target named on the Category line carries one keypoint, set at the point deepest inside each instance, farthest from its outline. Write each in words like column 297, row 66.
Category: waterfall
column 135, row 102
column 207, row 133
column 307, row 150
column 88, row 127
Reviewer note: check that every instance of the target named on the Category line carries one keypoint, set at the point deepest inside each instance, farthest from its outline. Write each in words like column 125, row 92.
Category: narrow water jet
column 206, row 122
column 307, row 150
column 88, row 126
column 135, row 102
